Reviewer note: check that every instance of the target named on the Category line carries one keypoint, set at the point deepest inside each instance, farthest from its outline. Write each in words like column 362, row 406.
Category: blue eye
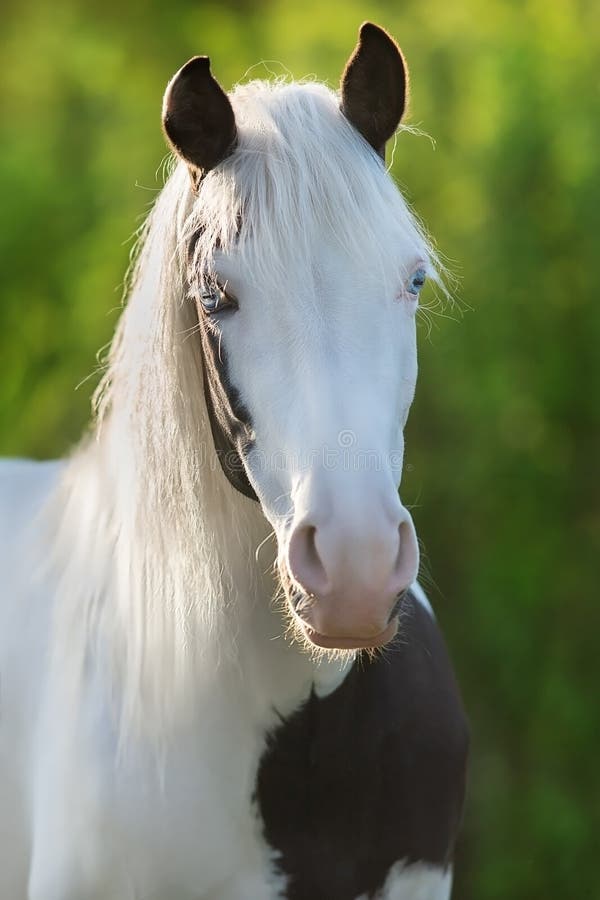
column 416, row 282
column 215, row 299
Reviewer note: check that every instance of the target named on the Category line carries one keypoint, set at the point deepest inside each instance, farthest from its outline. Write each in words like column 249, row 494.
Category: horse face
column 319, row 379
column 306, row 303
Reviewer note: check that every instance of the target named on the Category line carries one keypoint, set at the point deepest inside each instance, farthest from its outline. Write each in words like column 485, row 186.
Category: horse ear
column 198, row 118
column 374, row 86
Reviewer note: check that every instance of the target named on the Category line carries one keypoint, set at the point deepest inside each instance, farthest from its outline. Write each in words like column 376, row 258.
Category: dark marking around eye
column 215, row 298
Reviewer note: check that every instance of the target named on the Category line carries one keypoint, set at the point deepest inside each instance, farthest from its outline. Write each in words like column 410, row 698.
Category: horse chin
column 331, row 642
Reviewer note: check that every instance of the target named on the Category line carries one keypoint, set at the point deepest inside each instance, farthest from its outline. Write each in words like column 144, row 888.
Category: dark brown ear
column 375, row 86
column 197, row 117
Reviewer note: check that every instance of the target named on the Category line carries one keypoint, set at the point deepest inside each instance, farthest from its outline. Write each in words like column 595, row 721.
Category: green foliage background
column 503, row 439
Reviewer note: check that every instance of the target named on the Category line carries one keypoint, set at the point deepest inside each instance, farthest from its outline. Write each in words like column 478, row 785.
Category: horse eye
column 416, row 282
column 215, row 299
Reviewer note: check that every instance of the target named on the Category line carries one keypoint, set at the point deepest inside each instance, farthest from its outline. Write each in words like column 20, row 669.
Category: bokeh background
column 502, row 443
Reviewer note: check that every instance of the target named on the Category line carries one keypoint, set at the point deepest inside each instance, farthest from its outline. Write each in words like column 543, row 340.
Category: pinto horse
column 219, row 677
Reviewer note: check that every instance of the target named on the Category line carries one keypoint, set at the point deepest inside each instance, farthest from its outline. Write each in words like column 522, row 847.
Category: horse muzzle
column 349, row 575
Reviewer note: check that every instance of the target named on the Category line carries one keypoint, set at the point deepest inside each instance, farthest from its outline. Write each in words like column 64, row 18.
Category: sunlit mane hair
column 153, row 548
column 300, row 173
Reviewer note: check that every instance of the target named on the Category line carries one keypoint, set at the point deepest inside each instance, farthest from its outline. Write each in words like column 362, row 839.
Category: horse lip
column 330, row 642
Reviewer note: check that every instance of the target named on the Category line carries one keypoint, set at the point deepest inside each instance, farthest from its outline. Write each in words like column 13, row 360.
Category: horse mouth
column 331, row 642
column 297, row 599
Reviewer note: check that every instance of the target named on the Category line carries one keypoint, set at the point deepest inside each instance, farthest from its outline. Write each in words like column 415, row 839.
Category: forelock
column 300, row 174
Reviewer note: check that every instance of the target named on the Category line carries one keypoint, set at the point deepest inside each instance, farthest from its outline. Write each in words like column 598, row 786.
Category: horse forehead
column 326, row 272
column 314, row 310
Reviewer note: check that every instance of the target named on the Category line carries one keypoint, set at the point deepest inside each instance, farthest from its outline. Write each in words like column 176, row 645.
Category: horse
column 220, row 678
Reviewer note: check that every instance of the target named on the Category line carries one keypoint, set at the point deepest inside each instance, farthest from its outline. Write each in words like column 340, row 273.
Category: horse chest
column 357, row 794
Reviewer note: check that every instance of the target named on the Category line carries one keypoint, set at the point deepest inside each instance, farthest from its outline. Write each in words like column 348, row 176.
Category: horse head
column 305, row 265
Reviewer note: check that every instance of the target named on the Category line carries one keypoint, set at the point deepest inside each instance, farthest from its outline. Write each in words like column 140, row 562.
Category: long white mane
column 153, row 550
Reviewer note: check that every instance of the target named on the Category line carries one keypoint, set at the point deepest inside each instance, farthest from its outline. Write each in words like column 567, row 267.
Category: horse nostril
column 305, row 564
column 396, row 608
column 407, row 559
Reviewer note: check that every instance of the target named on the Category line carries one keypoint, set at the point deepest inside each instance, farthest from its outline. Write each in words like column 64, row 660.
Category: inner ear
column 198, row 118
column 374, row 86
